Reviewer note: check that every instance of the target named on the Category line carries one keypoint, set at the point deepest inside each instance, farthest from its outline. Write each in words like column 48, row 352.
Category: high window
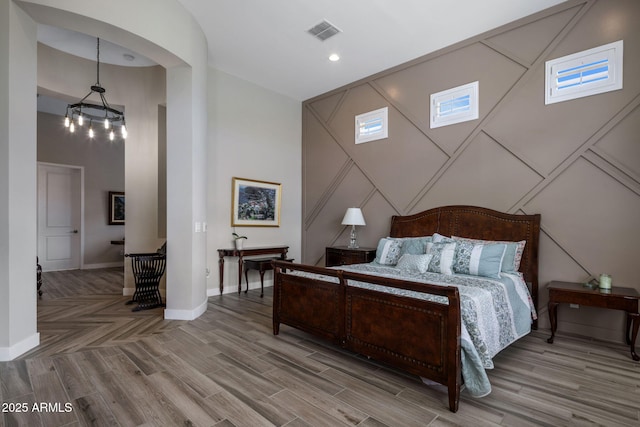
column 584, row 73
column 456, row 105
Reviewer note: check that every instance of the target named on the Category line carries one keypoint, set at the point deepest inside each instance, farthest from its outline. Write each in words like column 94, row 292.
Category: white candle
column 605, row 281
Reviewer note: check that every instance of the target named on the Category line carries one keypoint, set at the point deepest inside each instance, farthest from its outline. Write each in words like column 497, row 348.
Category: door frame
column 81, row 213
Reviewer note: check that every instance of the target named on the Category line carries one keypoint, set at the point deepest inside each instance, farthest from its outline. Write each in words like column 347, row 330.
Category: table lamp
column 353, row 217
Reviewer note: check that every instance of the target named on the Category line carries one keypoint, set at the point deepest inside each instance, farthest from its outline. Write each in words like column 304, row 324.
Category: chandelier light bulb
column 72, row 127
column 66, row 121
column 106, row 123
column 90, row 131
column 80, row 120
column 111, row 135
column 124, row 132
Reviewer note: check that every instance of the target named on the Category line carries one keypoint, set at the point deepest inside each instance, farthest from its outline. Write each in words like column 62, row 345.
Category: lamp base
column 353, row 241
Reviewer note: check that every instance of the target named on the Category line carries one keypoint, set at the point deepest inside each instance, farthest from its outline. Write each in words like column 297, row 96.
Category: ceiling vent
column 324, row 30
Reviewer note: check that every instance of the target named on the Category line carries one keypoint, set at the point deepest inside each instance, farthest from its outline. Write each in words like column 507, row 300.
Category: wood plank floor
column 101, row 364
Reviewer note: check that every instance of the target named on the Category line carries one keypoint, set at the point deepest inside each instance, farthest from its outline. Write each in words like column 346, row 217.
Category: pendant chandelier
column 80, row 112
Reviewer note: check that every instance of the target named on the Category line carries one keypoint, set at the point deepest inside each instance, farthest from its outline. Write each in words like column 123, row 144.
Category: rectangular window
column 585, row 73
column 372, row 125
column 459, row 104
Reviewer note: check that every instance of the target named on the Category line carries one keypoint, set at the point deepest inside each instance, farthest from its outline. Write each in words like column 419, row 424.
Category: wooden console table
column 617, row 298
column 267, row 250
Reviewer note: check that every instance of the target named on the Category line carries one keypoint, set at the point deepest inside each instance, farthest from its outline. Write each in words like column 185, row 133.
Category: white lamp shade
column 353, row 216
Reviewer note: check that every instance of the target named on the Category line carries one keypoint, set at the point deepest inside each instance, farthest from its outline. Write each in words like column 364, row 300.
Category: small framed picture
column 255, row 203
column 116, row 208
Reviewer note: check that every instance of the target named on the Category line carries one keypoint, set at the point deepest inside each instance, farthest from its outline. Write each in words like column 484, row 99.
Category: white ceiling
column 266, row 42
column 85, row 46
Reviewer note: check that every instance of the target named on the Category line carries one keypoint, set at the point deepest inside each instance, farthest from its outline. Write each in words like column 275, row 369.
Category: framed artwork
column 116, row 208
column 255, row 203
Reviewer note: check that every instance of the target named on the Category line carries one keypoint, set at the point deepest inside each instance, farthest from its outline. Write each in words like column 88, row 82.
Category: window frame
column 449, row 96
column 578, row 63
column 381, row 115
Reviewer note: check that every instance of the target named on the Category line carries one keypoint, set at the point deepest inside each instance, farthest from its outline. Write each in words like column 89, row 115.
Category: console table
column 267, row 250
column 617, row 298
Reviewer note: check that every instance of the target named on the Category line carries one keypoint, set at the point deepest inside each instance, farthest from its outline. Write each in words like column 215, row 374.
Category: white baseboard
column 10, row 353
column 212, row 292
column 185, row 314
column 127, row 292
column 103, row 265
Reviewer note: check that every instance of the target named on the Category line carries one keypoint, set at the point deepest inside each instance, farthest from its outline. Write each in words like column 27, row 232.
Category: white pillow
column 443, row 254
column 413, row 262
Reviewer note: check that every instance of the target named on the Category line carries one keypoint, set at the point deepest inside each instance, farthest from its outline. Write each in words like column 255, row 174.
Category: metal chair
column 148, row 269
column 39, row 276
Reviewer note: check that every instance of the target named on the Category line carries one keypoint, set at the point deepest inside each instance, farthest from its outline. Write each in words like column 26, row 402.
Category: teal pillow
column 414, row 245
column 388, row 251
column 479, row 259
column 512, row 255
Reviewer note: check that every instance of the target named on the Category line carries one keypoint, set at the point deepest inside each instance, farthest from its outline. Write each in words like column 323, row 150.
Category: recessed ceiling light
column 334, row 57
column 128, row 56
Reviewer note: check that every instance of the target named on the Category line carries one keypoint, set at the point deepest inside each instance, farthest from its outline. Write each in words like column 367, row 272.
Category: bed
column 423, row 322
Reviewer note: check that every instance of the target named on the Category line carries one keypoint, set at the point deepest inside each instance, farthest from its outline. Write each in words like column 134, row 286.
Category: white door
column 59, row 213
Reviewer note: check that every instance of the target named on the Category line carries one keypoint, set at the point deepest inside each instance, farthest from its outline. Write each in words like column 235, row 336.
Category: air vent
column 324, row 30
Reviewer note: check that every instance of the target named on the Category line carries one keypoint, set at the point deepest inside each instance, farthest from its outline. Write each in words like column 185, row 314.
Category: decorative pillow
column 414, row 262
column 512, row 256
column 414, row 245
column 442, row 257
column 478, row 259
column 437, row 238
column 388, row 251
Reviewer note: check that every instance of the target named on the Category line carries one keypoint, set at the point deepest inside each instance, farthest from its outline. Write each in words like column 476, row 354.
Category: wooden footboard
column 311, row 305
column 419, row 336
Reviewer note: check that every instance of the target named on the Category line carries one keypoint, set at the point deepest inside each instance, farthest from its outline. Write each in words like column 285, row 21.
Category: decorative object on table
column 77, row 113
column 353, row 217
column 238, row 240
column 592, row 283
column 116, row 208
column 605, row 281
column 255, row 203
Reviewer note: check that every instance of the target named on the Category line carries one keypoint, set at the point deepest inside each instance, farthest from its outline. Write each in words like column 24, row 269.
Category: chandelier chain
column 98, row 62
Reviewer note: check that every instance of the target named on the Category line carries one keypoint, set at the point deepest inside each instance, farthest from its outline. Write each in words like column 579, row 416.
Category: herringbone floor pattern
column 84, row 309
column 101, row 364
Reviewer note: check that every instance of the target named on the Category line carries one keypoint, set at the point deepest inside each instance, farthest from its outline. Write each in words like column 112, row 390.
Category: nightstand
column 343, row 255
column 617, row 298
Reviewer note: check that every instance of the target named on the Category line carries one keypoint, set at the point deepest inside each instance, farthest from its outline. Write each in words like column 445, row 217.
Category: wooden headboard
column 478, row 223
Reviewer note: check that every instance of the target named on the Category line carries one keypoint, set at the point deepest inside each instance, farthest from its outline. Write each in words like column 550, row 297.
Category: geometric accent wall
column 577, row 163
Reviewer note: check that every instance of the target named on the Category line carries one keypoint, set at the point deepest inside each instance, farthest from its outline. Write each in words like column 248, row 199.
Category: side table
column 262, row 265
column 241, row 253
column 617, row 298
column 343, row 255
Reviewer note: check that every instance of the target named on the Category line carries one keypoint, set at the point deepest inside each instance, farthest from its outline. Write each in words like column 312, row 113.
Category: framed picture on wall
column 116, row 208
column 255, row 203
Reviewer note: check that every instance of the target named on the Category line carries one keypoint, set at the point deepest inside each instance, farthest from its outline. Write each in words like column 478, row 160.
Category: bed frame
column 420, row 337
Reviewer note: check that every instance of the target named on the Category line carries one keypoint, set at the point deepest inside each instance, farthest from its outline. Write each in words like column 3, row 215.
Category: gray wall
column 103, row 163
column 577, row 163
